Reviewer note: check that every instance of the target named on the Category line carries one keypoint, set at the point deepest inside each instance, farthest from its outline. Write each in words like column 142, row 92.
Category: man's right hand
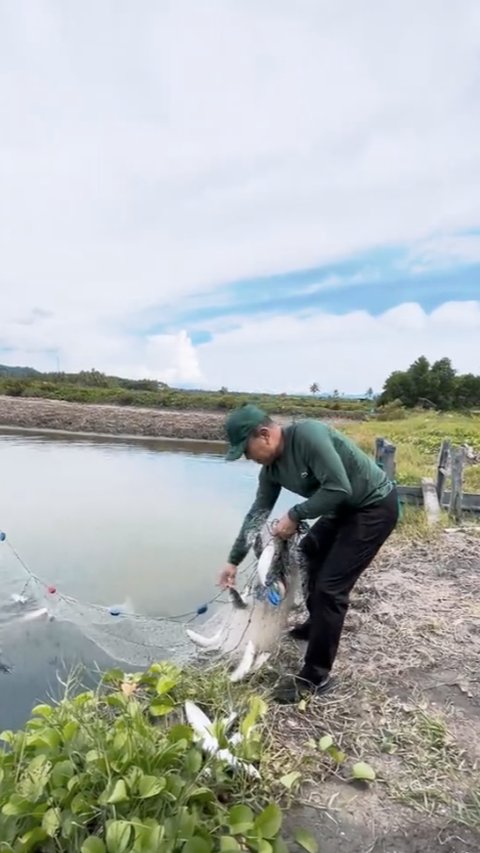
column 228, row 576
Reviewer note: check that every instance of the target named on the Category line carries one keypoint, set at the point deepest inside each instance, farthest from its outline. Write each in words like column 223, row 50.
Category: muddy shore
column 40, row 414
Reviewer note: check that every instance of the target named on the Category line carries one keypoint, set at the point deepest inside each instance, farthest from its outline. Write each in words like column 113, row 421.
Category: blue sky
column 255, row 195
column 374, row 282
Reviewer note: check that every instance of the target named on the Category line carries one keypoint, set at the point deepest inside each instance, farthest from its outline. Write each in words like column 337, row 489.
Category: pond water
column 105, row 520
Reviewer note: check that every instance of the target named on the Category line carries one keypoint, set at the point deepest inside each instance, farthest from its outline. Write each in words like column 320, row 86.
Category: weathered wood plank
column 385, row 457
column 455, row 504
column 430, row 501
column 414, row 495
column 442, row 463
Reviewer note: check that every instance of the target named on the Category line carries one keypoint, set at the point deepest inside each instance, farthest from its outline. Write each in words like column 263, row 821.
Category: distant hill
column 18, row 372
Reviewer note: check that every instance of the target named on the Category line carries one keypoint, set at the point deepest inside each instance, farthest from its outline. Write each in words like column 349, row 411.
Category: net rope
column 139, row 640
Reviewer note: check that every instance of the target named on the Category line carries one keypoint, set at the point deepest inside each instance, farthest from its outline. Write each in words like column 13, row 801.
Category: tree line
column 435, row 385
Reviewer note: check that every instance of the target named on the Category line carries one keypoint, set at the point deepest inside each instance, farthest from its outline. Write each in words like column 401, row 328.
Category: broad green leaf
column 32, row 839
column 228, row 844
column 161, row 709
column 268, row 823
column 186, row 822
column 193, row 761
column 306, row 840
column 92, row 755
column 43, row 711
column 290, row 779
column 120, row 740
column 148, row 836
column 264, row 846
column 62, row 772
column 203, row 794
column 363, row 771
column 164, row 685
column 325, row 743
column 47, row 737
column 180, row 732
column 115, row 792
column 113, row 676
column 7, row 736
column 240, row 819
column 150, row 786
column 197, row 845
column 69, row 730
column 51, row 822
column 93, row 844
column 17, row 805
column 118, row 836
column 280, row 846
column 116, row 700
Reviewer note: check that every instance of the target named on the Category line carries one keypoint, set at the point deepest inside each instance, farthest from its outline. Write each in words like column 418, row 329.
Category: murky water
column 104, row 520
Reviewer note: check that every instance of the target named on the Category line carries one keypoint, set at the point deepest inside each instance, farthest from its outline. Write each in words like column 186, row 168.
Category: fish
column 247, row 631
column 203, row 730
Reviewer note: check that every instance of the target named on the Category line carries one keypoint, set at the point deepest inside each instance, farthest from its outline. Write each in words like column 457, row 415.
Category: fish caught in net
column 243, row 630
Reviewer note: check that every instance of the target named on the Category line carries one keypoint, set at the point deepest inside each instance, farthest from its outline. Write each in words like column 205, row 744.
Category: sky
column 255, row 194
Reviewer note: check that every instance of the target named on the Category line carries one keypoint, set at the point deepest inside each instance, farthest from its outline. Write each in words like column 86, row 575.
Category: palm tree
column 314, row 388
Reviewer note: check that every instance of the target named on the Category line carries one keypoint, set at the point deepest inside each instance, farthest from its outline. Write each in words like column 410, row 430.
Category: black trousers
column 338, row 551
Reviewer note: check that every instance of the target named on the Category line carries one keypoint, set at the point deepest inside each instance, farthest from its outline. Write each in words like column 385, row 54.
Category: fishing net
column 138, row 640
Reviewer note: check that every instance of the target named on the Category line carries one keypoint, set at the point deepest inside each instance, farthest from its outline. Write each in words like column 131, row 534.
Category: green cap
column 239, row 425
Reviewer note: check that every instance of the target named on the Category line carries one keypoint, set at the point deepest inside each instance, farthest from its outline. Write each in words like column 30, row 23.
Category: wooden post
column 456, row 496
column 442, row 463
column 430, row 501
column 385, row 457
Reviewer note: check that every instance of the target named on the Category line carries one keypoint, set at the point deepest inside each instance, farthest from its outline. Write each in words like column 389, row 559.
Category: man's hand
column 285, row 527
column 228, row 576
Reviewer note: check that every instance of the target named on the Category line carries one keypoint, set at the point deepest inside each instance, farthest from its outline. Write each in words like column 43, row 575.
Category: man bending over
column 356, row 507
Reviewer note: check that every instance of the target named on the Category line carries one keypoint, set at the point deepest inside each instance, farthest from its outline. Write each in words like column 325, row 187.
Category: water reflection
column 105, row 520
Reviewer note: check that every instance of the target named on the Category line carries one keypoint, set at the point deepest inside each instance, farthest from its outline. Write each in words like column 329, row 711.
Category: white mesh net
column 139, row 640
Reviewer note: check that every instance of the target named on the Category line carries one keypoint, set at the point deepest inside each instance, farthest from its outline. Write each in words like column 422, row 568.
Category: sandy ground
column 406, row 700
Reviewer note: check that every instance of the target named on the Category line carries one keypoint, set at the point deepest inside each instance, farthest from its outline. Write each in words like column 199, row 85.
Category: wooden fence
column 432, row 494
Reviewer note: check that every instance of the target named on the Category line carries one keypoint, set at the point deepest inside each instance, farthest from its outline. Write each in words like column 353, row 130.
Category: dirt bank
column 406, row 700
column 111, row 420
column 92, row 418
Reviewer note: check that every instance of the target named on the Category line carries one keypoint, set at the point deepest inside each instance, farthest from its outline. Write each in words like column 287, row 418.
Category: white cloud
column 350, row 352
column 152, row 152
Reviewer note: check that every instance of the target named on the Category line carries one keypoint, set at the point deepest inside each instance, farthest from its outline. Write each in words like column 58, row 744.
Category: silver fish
column 249, row 630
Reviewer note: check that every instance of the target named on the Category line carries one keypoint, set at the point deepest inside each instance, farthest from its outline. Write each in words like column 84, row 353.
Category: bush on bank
column 119, row 770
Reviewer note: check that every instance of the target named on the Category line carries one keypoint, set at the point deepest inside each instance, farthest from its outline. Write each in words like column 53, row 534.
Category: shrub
column 119, row 770
column 393, row 411
column 14, row 387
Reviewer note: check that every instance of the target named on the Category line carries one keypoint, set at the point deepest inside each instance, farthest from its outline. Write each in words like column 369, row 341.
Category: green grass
column 124, row 393
column 418, row 439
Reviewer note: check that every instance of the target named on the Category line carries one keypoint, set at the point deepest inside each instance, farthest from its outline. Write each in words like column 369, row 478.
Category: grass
column 418, row 439
column 121, row 392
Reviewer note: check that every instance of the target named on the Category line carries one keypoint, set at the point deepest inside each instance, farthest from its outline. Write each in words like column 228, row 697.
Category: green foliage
column 91, row 386
column 119, row 770
column 431, row 386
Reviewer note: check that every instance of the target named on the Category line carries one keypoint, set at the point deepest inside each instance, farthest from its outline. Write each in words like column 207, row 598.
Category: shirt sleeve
column 265, row 499
column 319, row 453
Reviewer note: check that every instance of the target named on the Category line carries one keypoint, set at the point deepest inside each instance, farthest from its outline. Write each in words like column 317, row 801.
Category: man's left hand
column 285, row 527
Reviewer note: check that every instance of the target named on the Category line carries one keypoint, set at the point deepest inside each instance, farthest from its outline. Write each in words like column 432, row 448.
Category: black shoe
column 294, row 688
column 301, row 632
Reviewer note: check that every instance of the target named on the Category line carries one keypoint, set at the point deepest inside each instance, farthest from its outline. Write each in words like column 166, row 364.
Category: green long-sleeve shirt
column 319, row 464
